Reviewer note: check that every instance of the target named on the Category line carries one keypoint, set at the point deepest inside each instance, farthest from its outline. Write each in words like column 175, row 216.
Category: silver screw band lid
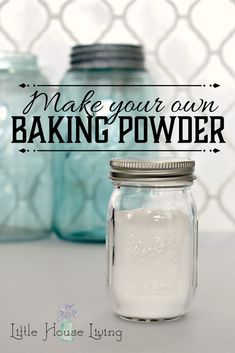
column 158, row 170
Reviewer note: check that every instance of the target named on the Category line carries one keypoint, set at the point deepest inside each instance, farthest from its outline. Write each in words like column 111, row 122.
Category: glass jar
column 152, row 239
column 82, row 189
column 25, row 179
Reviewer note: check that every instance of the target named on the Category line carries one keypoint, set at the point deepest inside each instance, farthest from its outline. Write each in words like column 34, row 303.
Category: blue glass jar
column 82, row 190
column 25, row 179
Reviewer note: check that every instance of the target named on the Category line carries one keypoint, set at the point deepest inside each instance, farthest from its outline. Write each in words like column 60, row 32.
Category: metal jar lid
column 107, row 56
column 161, row 171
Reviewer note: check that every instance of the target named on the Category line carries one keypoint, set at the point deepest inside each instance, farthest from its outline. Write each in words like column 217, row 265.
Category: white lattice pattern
column 186, row 41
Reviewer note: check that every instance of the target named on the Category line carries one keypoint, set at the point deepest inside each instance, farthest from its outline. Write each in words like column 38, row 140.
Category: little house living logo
column 66, row 316
column 66, row 328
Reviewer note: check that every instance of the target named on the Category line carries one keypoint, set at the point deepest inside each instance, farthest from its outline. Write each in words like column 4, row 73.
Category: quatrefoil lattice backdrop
column 185, row 41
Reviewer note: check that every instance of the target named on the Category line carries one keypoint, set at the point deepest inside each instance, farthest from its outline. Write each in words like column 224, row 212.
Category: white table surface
column 38, row 277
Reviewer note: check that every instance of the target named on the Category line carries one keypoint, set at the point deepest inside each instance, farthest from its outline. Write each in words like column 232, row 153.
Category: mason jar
column 25, row 178
column 151, row 239
column 116, row 73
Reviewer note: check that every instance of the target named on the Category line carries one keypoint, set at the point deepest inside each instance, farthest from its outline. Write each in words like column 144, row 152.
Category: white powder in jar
column 152, row 271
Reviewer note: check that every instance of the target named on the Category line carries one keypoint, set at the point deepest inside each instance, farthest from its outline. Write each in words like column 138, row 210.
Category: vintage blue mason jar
column 116, row 73
column 25, row 178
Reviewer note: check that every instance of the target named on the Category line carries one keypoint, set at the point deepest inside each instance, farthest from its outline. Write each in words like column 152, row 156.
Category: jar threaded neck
column 95, row 56
column 17, row 61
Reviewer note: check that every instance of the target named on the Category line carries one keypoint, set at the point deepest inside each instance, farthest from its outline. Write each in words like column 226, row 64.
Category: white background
column 186, row 41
